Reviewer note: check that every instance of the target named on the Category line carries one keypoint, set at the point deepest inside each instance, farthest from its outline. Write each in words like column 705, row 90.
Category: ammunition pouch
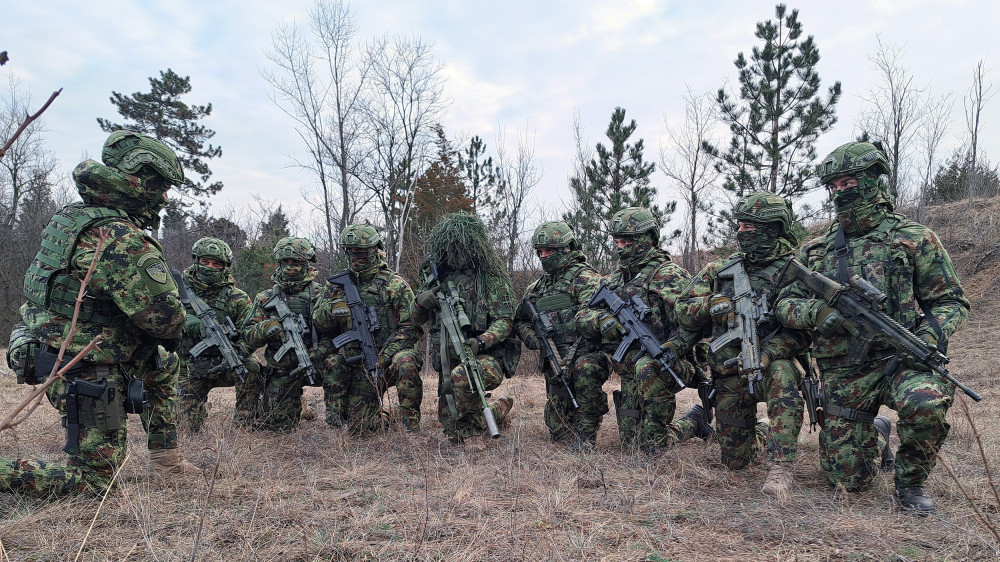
column 21, row 355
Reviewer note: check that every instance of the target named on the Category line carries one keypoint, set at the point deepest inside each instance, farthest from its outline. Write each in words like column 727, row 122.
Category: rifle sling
column 847, row 413
column 446, row 390
column 840, row 251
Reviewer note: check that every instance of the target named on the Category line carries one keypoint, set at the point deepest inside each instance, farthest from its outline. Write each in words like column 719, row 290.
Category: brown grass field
column 319, row 494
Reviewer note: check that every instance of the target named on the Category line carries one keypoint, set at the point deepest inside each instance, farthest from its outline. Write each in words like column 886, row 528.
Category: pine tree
column 162, row 115
column 618, row 178
column 479, row 173
column 779, row 113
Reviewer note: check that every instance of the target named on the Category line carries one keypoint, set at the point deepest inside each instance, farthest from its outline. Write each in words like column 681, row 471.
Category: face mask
column 550, row 264
column 209, row 275
column 846, row 198
column 292, row 272
column 759, row 245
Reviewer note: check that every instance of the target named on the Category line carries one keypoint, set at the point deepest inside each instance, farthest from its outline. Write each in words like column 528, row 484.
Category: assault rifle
column 218, row 335
column 750, row 309
column 543, row 329
column 292, row 325
column 860, row 303
column 453, row 323
column 630, row 314
column 364, row 323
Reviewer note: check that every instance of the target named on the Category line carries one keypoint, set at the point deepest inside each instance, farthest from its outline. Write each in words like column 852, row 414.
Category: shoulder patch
column 153, row 264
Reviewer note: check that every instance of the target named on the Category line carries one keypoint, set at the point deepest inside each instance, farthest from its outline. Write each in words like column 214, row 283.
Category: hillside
column 319, row 494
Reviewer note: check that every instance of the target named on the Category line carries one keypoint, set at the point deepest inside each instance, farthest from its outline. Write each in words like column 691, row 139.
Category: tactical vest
column 763, row 282
column 558, row 303
column 639, row 286
column 49, row 283
column 374, row 294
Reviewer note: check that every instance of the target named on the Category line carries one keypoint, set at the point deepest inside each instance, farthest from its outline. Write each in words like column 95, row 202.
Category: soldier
column 210, row 279
column 567, row 286
column 766, row 243
column 460, row 249
column 646, row 403
column 349, row 390
column 907, row 262
column 283, row 379
column 132, row 303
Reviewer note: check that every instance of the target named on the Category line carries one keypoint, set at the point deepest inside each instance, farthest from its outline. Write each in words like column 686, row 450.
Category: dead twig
column 208, row 496
column 27, row 121
column 104, row 497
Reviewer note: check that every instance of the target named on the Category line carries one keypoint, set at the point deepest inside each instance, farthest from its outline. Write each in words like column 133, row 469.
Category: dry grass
column 318, row 494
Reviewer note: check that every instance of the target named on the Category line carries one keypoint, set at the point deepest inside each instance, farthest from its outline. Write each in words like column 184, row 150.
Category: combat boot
column 169, row 462
column 585, row 442
column 702, row 428
column 914, row 499
column 884, row 427
column 502, row 408
column 779, row 480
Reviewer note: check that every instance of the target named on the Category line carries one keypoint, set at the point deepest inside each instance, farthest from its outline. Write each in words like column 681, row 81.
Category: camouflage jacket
column 903, row 259
column 657, row 282
column 560, row 297
column 693, row 312
column 301, row 299
column 132, row 301
column 391, row 296
column 491, row 314
column 227, row 300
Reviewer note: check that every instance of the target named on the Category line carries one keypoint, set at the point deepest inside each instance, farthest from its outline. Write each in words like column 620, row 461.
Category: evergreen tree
column 779, row 113
column 480, row 175
column 161, row 114
column 255, row 263
column 618, row 178
column 951, row 183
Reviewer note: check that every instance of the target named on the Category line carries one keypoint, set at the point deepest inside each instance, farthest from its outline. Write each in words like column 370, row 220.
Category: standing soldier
column 766, row 243
column 646, row 401
column 567, row 286
column 353, row 394
column 210, row 280
column 907, row 262
column 467, row 264
column 282, row 320
column 132, row 304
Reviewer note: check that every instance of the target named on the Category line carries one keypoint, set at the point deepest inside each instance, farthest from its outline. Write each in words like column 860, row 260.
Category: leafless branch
column 27, row 121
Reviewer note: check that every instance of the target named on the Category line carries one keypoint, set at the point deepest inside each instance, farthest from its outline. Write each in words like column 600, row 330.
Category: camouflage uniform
column 347, row 388
column 199, row 375
column 763, row 254
column 567, row 286
column 647, row 389
column 133, row 305
column 907, row 262
column 296, row 280
column 461, row 250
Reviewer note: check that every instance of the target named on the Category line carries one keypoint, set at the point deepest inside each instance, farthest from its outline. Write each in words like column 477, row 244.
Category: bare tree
column 979, row 93
column 689, row 167
column 933, row 127
column 405, row 100
column 891, row 109
column 520, row 173
column 321, row 88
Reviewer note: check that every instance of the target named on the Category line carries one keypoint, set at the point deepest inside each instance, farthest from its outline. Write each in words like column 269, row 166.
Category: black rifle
column 630, row 315
column 860, row 303
column 293, row 326
column 453, row 322
column 364, row 323
column 750, row 309
column 219, row 336
column 543, row 329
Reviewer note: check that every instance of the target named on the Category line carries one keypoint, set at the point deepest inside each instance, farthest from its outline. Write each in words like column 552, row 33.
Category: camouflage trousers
column 351, row 398
column 586, row 378
column 196, row 382
column 88, row 471
column 848, row 449
column 736, row 413
column 468, row 419
column 160, row 420
column 648, row 405
column 281, row 407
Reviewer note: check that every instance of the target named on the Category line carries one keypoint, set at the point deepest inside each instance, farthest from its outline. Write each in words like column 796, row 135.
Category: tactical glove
column 670, row 354
column 341, row 313
column 273, row 331
column 192, row 326
column 473, row 344
column 829, row 321
column 384, row 361
column 911, row 362
column 721, row 309
column 611, row 327
column 531, row 341
column 427, row 300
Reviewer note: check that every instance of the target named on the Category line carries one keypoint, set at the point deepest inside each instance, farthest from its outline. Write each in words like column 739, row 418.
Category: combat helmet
column 773, row 217
column 209, row 247
column 633, row 221
column 763, row 207
column 129, row 151
column 555, row 235
column 362, row 244
column 865, row 161
column 293, row 248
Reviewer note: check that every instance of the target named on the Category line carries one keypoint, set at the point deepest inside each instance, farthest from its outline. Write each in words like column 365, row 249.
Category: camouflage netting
column 460, row 241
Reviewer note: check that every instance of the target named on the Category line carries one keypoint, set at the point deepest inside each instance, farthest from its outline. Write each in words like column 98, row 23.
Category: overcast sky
column 521, row 66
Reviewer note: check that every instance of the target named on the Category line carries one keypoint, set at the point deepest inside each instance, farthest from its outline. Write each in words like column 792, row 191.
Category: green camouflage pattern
column 574, row 285
column 282, row 404
column 907, row 262
column 780, row 387
column 348, row 392
column 646, row 387
column 129, row 151
column 199, row 375
column 764, row 207
column 470, row 421
column 293, row 248
column 161, row 374
column 852, row 158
